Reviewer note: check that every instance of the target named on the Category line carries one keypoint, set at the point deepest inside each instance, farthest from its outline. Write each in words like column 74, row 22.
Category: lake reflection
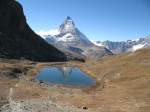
column 65, row 75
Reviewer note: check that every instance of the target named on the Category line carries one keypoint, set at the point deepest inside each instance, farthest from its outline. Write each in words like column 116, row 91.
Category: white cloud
column 50, row 32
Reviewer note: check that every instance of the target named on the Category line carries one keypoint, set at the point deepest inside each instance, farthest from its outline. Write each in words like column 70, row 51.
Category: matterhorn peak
column 68, row 26
column 69, row 18
column 71, row 40
column 68, row 32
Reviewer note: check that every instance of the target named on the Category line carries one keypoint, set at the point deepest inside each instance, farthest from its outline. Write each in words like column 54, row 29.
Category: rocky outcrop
column 69, row 38
column 17, row 40
column 125, row 46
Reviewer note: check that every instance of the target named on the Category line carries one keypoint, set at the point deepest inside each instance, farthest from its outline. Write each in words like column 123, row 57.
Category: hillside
column 17, row 39
column 126, row 80
column 122, row 85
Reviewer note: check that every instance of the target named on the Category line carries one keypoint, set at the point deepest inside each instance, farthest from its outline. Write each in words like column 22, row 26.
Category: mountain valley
column 119, row 72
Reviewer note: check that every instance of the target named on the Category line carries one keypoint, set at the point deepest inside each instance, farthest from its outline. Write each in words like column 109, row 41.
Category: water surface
column 72, row 76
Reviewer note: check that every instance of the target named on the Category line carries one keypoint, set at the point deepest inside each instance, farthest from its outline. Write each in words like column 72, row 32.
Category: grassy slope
column 125, row 80
column 130, row 72
column 124, row 84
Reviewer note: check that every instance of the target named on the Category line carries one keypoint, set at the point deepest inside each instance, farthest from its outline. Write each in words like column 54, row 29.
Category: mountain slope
column 69, row 38
column 17, row 40
column 125, row 46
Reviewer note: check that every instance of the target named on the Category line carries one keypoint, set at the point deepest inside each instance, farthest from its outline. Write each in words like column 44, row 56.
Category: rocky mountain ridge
column 68, row 38
column 125, row 46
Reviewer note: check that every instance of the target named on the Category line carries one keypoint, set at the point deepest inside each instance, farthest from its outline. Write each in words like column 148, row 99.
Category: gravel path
column 38, row 105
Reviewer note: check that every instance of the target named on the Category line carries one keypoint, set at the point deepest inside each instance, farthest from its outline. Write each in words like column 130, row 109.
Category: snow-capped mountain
column 125, row 46
column 68, row 34
column 68, row 38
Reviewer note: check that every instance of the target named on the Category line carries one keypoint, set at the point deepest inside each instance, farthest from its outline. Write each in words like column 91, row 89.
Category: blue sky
column 114, row 20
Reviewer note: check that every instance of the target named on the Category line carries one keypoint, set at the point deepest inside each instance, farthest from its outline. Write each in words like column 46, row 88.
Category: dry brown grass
column 123, row 84
column 128, row 71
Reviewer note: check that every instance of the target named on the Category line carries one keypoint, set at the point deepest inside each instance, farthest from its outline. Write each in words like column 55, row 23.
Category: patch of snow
column 137, row 47
column 67, row 26
column 67, row 37
column 136, row 40
column 98, row 44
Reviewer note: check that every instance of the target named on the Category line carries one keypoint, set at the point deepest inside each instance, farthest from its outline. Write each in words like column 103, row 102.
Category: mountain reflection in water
column 65, row 75
column 66, row 71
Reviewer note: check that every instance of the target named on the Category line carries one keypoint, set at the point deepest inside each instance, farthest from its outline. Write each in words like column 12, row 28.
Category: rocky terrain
column 68, row 38
column 17, row 40
column 125, row 46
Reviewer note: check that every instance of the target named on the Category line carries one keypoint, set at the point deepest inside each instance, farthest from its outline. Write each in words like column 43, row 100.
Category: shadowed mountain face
column 17, row 40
